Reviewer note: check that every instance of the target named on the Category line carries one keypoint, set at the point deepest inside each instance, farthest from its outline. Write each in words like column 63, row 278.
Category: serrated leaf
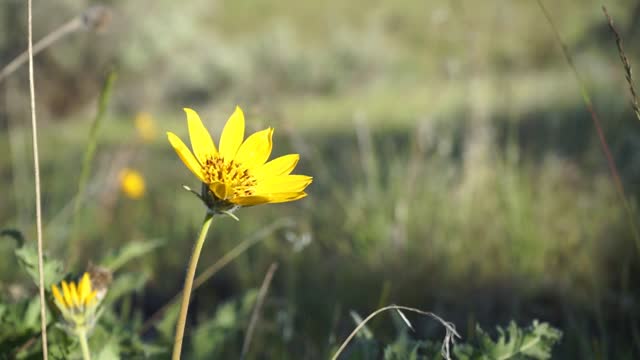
column 28, row 260
column 533, row 342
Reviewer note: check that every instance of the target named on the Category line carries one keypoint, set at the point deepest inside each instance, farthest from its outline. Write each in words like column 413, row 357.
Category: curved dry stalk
column 36, row 168
column 448, row 341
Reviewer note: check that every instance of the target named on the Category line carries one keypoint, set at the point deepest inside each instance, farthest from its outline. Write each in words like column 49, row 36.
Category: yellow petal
column 67, row 294
column 282, row 184
column 185, row 155
column 90, row 298
column 221, row 190
column 282, row 165
column 201, row 142
column 256, row 149
column 269, row 198
column 74, row 294
column 232, row 135
column 58, row 296
column 84, row 289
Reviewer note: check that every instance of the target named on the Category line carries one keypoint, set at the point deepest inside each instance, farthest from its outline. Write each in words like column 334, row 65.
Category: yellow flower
column 238, row 174
column 77, row 303
column 145, row 126
column 132, row 183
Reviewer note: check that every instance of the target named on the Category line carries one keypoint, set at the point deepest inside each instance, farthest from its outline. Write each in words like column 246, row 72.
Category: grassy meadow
column 456, row 170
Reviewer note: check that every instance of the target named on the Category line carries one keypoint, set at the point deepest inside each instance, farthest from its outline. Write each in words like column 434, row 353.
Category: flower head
column 145, row 126
column 77, row 303
column 237, row 173
column 132, row 183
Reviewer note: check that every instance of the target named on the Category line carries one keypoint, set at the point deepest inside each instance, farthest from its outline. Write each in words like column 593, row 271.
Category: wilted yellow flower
column 145, row 126
column 77, row 303
column 132, row 183
column 237, row 173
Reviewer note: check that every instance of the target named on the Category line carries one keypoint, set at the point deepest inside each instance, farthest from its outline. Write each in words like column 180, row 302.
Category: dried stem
column 613, row 170
column 446, row 343
column 625, row 63
column 36, row 168
column 255, row 316
column 95, row 17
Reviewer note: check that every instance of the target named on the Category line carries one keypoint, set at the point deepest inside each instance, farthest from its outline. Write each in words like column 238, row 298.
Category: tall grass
column 475, row 191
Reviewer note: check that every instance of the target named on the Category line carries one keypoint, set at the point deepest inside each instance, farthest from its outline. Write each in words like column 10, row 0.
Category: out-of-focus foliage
column 455, row 170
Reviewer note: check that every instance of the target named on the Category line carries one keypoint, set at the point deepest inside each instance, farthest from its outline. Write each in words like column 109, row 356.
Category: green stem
column 188, row 284
column 82, row 335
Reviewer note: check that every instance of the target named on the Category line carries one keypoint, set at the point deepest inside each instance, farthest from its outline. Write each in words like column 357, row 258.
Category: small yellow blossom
column 77, row 303
column 132, row 183
column 146, row 126
column 237, row 173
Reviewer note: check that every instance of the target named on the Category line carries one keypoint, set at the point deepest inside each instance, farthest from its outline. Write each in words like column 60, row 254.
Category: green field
column 456, row 170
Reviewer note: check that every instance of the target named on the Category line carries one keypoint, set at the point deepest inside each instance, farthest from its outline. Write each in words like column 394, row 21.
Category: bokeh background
column 455, row 166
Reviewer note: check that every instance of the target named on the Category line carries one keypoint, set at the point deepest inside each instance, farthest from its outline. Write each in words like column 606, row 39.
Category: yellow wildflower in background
column 238, row 174
column 77, row 303
column 132, row 183
column 145, row 126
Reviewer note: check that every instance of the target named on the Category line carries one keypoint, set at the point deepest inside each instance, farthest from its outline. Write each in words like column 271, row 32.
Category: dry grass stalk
column 36, row 168
column 625, row 63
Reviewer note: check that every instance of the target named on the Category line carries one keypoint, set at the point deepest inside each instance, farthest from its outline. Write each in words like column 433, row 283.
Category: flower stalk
column 84, row 344
column 188, row 285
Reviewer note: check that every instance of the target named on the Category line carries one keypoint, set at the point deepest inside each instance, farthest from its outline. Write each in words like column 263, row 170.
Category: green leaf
column 124, row 284
column 28, row 260
column 15, row 234
column 209, row 338
column 132, row 250
column 167, row 325
column 108, row 351
column 365, row 332
column 533, row 342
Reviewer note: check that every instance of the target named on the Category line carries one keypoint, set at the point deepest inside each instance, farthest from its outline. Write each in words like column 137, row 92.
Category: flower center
column 236, row 179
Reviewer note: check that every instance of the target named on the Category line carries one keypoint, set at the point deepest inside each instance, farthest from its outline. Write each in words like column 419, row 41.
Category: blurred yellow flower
column 237, row 174
column 77, row 303
column 145, row 126
column 132, row 183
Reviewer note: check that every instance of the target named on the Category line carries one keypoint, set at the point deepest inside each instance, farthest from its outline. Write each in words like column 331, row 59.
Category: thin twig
column 67, row 28
column 613, row 170
column 36, row 169
column 217, row 266
column 96, row 18
column 625, row 63
column 449, row 338
column 255, row 316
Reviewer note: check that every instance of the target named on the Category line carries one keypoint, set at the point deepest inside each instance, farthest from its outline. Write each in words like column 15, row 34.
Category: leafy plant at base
column 534, row 342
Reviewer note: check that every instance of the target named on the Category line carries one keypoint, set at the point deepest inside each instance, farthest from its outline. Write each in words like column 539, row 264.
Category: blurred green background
column 455, row 166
